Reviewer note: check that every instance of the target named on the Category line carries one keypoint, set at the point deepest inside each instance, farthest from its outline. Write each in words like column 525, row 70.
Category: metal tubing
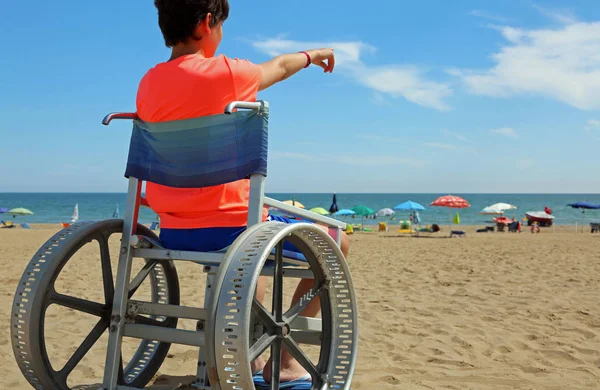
column 112, row 365
column 118, row 115
column 303, row 213
column 160, row 309
column 167, row 335
column 166, row 254
column 247, row 105
column 256, row 202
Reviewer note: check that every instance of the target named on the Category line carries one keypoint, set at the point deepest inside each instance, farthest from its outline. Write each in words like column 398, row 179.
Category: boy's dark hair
column 179, row 18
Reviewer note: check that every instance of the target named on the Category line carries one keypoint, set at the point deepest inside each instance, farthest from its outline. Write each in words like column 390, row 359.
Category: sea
column 58, row 207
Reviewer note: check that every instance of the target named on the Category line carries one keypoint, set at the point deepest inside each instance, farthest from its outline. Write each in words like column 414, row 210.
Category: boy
column 193, row 83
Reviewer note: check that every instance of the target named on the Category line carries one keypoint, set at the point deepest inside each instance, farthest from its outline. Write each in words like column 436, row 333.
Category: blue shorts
column 212, row 239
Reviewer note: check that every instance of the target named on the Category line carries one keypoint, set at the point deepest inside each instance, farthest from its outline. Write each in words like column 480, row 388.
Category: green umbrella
column 363, row 210
column 319, row 210
column 20, row 211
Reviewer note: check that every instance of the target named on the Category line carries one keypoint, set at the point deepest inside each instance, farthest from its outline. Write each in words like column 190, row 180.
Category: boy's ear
column 203, row 27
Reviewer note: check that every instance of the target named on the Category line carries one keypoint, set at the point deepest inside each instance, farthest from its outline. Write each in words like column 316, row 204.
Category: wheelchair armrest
column 298, row 212
column 118, row 115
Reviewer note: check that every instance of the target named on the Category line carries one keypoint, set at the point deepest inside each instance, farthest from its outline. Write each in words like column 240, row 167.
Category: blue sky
column 428, row 96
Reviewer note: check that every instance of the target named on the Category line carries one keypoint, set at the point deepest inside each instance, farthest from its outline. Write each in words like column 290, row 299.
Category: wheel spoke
column 85, row 346
column 78, row 304
column 275, row 363
column 294, row 350
column 141, row 276
column 260, row 346
column 263, row 315
column 304, row 301
column 107, row 276
column 278, row 283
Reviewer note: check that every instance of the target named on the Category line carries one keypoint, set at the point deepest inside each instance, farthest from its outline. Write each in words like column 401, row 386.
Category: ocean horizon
column 56, row 207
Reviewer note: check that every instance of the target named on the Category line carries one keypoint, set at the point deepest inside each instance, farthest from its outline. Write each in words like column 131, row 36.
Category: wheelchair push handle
column 256, row 106
column 118, row 115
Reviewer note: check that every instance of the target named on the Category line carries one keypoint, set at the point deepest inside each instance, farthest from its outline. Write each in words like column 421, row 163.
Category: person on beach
column 196, row 82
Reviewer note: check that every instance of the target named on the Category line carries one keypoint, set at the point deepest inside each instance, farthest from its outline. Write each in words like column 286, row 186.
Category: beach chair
column 7, row 224
column 383, row 227
column 595, row 226
column 232, row 328
column 25, row 226
column 458, row 233
column 154, row 225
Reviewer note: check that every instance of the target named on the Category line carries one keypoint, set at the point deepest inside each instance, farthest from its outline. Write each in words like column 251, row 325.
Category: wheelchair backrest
column 200, row 152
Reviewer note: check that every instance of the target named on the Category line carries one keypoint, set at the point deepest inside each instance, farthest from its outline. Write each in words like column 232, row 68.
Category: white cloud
column 505, row 131
column 562, row 15
column 489, row 16
column 561, row 63
column 439, row 145
column 354, row 160
column 406, row 81
column 456, row 135
column 592, row 127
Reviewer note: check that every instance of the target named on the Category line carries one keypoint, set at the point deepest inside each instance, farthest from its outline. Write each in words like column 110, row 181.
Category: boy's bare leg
column 290, row 368
column 261, row 288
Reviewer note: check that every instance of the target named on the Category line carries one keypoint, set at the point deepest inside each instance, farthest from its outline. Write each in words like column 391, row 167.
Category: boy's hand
column 323, row 58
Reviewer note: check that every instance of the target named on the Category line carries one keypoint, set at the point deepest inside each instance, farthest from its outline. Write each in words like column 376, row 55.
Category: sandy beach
column 489, row 311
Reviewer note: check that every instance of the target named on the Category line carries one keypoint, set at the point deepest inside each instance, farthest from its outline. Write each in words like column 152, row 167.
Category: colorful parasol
column 451, row 201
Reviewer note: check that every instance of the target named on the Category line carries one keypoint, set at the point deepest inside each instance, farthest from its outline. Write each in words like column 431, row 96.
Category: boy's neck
column 183, row 49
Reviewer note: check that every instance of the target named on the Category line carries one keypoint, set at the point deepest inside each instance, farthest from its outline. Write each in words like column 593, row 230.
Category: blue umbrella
column 409, row 205
column 344, row 212
column 334, row 207
column 584, row 205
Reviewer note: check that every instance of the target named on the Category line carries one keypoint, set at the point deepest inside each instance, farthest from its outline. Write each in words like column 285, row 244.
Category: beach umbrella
column 363, row 210
column 20, row 211
column 497, row 208
column 343, row 212
column 319, row 210
column 451, row 202
column 409, row 205
column 294, row 203
column 3, row 210
column 584, row 206
column 385, row 213
column 334, row 207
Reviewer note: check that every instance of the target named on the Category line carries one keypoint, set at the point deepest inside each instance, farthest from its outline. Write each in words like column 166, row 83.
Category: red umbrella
column 451, row 201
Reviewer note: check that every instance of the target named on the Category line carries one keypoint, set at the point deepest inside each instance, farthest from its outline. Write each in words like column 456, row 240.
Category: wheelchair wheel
column 36, row 292
column 233, row 341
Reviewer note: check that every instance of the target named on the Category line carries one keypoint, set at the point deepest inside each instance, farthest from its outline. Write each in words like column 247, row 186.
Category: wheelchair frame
column 336, row 277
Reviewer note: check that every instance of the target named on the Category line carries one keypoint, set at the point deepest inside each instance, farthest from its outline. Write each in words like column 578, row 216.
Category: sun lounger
column 457, row 233
column 7, row 224
column 595, row 227
column 25, row 226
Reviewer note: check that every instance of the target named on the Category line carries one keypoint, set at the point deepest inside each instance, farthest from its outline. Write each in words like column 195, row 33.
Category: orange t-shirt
column 192, row 86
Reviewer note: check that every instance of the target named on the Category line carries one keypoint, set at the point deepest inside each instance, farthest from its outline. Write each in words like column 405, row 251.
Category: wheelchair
column 233, row 328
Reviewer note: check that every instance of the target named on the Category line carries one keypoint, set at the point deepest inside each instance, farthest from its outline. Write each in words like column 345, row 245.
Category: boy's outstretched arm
column 284, row 66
